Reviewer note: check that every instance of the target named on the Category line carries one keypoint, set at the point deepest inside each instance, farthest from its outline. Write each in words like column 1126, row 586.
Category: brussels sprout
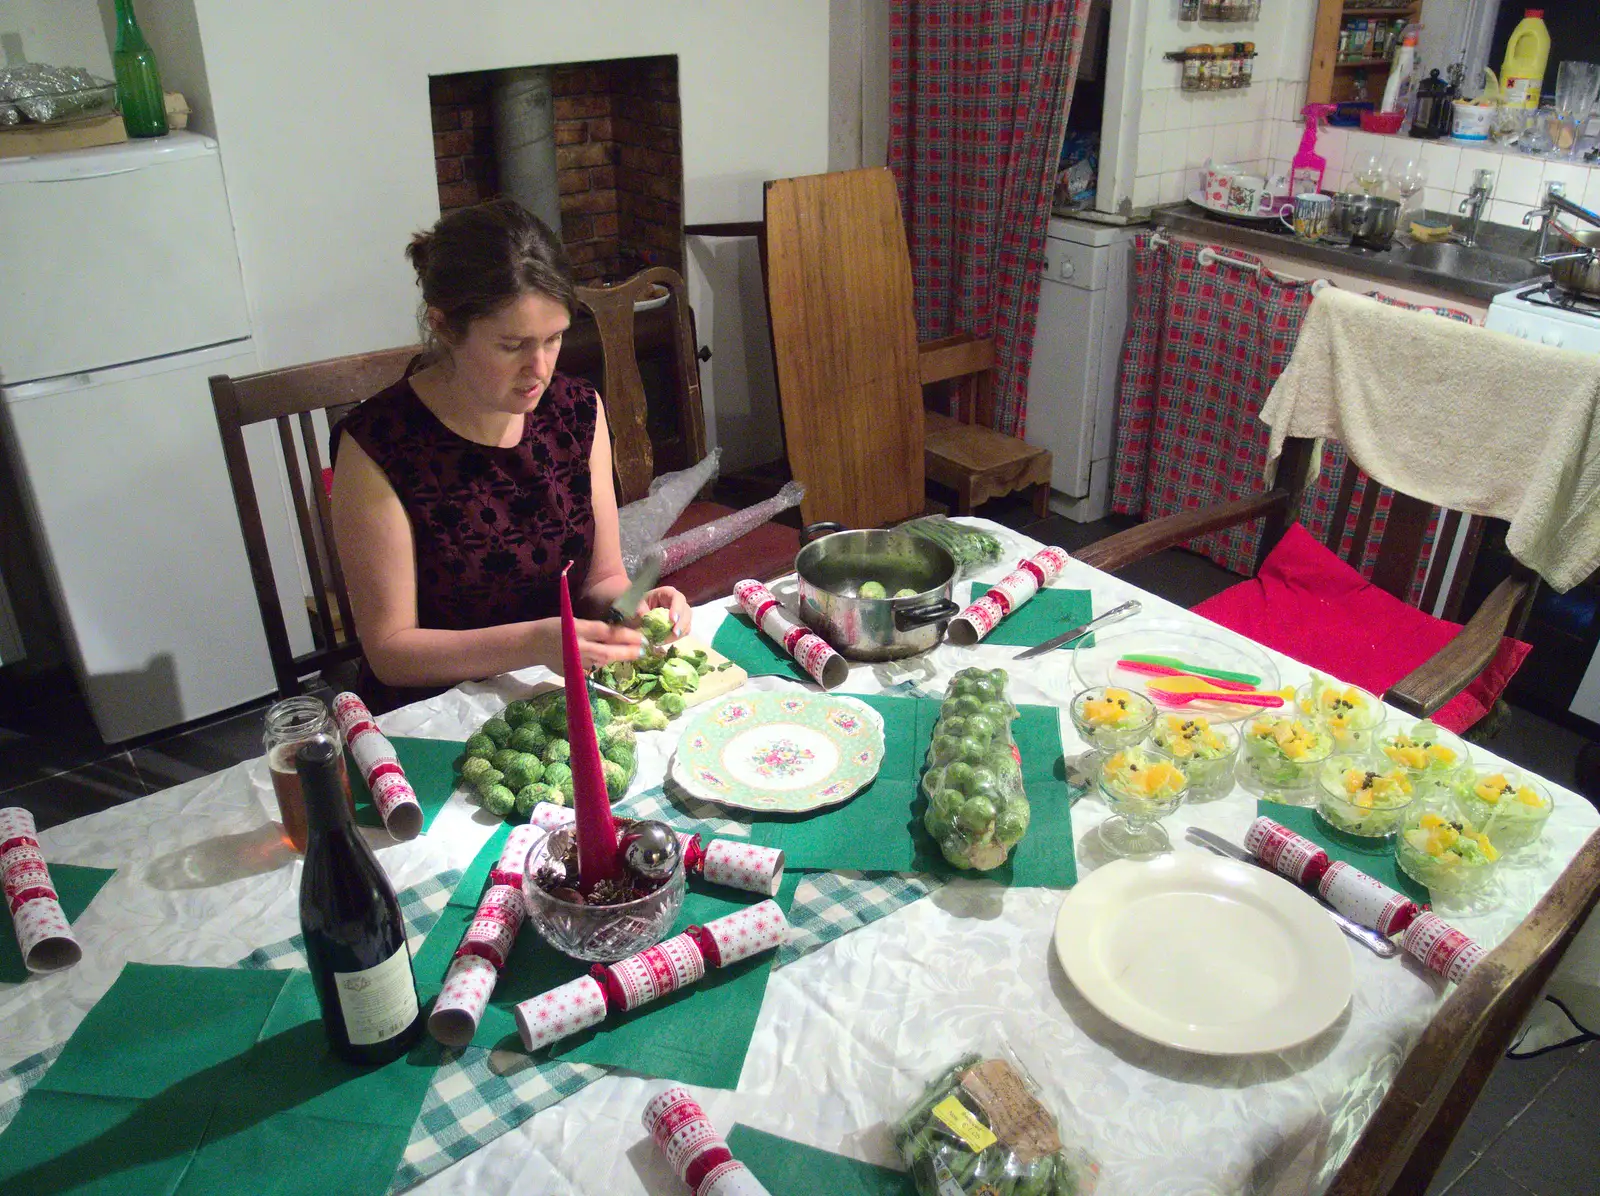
column 499, row 800
column 540, row 702
column 647, row 716
column 933, row 780
column 956, row 726
column 554, row 718
column 906, row 592
column 987, row 855
column 618, row 731
column 979, row 727
column 999, row 678
column 973, row 750
column 962, row 704
column 474, row 767
column 938, row 824
column 953, row 852
column 531, row 795
column 616, row 778
column 620, row 753
column 1012, row 822
column 981, row 780
column 504, row 758
column 949, row 802
column 480, row 745
column 602, row 712
column 672, row 704
column 566, row 789
column 656, row 624
column 999, row 713
column 557, row 751
column 515, row 776
column 516, row 713
column 975, row 815
column 945, row 748
column 959, row 776
column 679, row 676
column 872, row 589
column 530, row 737
column 498, row 730
column 554, row 774
column 488, row 779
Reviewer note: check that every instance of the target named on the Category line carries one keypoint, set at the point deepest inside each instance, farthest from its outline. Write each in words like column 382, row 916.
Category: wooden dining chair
column 1402, row 1146
column 851, row 371
column 1402, row 551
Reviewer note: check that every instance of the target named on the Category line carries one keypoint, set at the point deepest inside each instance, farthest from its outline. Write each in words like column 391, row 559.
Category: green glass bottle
column 144, row 108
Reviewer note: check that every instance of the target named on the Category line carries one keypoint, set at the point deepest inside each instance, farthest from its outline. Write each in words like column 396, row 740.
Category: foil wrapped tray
column 43, row 94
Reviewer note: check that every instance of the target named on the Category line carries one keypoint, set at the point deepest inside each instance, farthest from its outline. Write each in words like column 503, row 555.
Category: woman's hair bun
column 417, row 252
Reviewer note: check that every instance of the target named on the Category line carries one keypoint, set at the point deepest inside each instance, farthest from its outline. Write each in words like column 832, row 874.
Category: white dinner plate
column 1204, row 954
column 1198, row 198
column 1189, row 641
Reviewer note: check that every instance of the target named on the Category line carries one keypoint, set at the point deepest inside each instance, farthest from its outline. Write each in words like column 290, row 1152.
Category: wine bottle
column 144, row 106
column 355, row 938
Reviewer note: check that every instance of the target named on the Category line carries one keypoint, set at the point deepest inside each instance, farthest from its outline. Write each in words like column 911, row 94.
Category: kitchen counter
column 1499, row 262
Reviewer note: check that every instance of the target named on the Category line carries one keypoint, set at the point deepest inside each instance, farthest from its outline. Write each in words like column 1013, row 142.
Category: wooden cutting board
column 713, row 684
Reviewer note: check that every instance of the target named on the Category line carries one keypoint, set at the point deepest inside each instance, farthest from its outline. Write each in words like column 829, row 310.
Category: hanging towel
column 1457, row 416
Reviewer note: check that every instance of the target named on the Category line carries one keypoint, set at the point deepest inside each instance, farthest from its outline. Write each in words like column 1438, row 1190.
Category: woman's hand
column 598, row 643
column 675, row 604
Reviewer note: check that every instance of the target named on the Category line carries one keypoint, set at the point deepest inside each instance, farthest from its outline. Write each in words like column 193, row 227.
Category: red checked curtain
column 978, row 96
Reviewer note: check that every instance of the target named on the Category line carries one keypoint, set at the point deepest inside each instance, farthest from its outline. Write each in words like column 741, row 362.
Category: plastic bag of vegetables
column 979, row 1128
column 977, row 807
column 972, row 548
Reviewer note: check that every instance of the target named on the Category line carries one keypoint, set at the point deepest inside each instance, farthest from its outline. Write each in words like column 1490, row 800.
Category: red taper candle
column 597, row 833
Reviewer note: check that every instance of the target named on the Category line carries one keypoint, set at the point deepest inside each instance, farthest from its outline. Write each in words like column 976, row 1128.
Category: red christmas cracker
column 44, row 936
column 682, row 1131
column 1366, row 900
column 1012, row 591
column 1286, row 853
column 485, row 947
column 650, row 974
column 809, row 649
column 741, row 934
column 1440, row 947
column 561, row 1012
column 380, row 767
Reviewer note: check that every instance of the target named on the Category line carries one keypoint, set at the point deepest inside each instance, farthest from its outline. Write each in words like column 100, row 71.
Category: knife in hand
column 1115, row 615
column 625, row 609
column 1378, row 944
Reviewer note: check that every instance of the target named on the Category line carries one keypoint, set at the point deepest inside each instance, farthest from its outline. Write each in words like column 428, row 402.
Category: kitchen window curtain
column 978, row 96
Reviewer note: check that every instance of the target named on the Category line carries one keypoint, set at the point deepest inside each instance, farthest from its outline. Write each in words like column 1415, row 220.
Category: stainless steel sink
column 1471, row 262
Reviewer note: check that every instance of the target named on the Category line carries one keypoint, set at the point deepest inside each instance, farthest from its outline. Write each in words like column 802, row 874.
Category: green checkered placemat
column 466, row 1091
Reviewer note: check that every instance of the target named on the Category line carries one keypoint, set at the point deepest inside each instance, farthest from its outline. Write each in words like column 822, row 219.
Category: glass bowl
column 1204, row 750
column 1133, row 828
column 598, row 933
column 1433, row 758
column 1443, row 850
column 1279, row 757
column 1108, row 717
column 1363, row 796
column 1511, row 806
column 1351, row 715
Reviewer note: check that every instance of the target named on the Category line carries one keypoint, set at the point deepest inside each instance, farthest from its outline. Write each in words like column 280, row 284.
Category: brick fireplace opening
column 614, row 182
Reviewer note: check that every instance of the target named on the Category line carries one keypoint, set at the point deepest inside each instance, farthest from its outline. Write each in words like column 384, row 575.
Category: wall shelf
column 1331, row 81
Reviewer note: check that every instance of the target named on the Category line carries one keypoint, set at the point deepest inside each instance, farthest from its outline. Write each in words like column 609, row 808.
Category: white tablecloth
column 848, row 1034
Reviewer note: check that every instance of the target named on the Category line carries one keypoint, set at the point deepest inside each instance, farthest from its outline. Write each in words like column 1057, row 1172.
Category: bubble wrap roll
column 1371, row 902
column 561, row 1012
column 743, row 866
column 682, row 1131
column 651, row 974
column 741, row 934
column 459, row 1007
column 1286, row 853
column 1441, row 948
column 809, row 650
column 380, row 767
column 688, row 547
column 1012, row 591
column 44, row 936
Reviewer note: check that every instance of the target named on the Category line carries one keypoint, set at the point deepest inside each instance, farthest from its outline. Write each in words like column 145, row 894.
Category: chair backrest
column 622, row 328
column 1407, row 1137
column 288, row 397
column 844, row 342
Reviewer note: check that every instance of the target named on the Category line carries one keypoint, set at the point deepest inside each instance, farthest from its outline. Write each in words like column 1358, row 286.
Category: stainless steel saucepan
column 835, row 564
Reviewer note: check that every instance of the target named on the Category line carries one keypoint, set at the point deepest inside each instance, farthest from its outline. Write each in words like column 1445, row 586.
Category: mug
column 1310, row 218
column 1218, row 182
column 1248, row 194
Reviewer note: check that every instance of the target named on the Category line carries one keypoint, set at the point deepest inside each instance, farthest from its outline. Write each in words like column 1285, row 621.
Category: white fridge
column 120, row 295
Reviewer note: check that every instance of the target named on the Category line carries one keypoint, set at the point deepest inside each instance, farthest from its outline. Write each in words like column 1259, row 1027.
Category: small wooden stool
column 979, row 463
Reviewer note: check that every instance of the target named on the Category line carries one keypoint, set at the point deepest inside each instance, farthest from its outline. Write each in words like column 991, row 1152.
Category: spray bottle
column 1308, row 167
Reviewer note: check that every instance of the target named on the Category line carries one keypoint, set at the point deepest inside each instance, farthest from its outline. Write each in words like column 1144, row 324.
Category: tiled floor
column 1533, row 1129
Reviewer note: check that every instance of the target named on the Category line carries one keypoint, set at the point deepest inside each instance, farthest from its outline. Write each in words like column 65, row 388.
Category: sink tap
column 1472, row 206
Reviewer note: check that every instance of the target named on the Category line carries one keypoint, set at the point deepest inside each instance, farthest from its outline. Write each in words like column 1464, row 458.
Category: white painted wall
column 322, row 112
column 58, row 33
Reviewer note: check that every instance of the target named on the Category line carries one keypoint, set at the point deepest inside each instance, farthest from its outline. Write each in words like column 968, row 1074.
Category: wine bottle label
column 378, row 1002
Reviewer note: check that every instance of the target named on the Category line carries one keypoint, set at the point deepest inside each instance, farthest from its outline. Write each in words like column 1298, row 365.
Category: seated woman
column 460, row 492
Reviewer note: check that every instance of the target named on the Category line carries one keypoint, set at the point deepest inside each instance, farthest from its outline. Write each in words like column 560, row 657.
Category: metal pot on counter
column 834, row 565
column 1578, row 276
column 1365, row 220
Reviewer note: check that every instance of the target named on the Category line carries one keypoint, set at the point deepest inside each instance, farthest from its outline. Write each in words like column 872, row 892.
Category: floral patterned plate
column 779, row 752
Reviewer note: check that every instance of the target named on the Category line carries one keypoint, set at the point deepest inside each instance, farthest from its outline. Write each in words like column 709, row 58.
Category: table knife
column 1115, row 615
column 1377, row 943
column 625, row 609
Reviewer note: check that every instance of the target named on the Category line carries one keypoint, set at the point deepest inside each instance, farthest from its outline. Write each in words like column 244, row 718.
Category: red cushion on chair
column 1307, row 603
column 763, row 553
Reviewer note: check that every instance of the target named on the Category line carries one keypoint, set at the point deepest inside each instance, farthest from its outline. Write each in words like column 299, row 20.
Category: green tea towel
column 1046, row 615
column 430, row 766
column 880, row 829
column 1375, row 857
column 698, row 1035
column 75, row 887
column 742, row 642
column 787, row 1168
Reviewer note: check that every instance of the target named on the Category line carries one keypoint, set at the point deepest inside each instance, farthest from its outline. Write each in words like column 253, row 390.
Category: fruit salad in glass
column 1106, row 718
column 1509, row 805
column 1140, row 785
column 1440, row 848
column 1205, row 751
column 1433, row 758
column 1351, row 715
column 1280, row 755
column 1363, row 796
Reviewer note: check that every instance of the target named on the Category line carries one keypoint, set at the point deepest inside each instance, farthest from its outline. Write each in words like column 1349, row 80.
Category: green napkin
column 430, row 766
column 196, row 1081
column 742, row 642
column 1375, row 857
column 1046, row 615
column 75, row 887
column 698, row 1035
column 785, row 1167
column 880, row 829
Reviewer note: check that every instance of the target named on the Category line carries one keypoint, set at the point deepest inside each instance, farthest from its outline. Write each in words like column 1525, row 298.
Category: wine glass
column 1408, row 177
column 1368, row 173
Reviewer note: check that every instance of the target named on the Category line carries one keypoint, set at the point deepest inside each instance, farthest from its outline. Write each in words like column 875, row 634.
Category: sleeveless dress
column 492, row 527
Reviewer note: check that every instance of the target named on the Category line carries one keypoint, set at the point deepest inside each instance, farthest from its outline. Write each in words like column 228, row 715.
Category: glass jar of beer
column 289, row 724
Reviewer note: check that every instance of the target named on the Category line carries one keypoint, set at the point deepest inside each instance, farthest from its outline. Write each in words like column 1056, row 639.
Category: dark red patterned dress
column 492, row 526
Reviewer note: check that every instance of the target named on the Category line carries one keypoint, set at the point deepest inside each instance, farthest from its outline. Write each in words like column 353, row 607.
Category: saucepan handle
column 815, row 531
column 921, row 616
